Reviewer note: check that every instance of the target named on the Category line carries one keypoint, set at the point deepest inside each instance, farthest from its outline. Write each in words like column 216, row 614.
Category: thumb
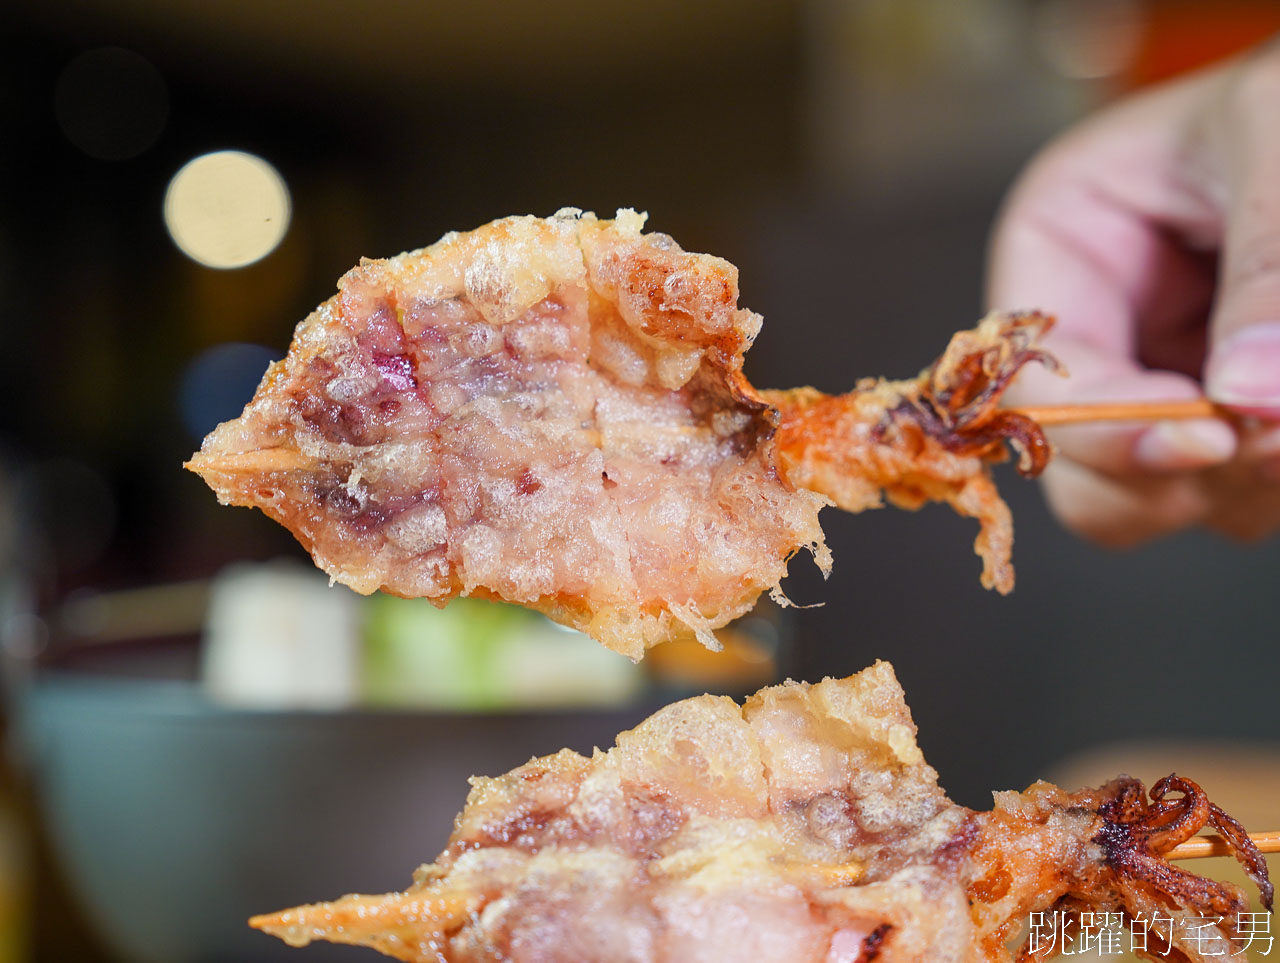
column 1243, row 367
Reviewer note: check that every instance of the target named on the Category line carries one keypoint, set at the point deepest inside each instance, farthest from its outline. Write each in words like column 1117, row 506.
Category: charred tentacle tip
column 1137, row 833
column 1246, row 853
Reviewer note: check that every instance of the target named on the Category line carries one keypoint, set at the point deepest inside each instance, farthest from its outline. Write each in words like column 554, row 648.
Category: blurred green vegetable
column 478, row 654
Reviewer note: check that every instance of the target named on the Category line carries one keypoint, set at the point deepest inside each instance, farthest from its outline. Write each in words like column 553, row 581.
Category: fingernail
column 1185, row 445
column 1244, row 371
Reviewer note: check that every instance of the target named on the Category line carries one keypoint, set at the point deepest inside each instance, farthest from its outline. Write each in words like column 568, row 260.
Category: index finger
column 1098, row 233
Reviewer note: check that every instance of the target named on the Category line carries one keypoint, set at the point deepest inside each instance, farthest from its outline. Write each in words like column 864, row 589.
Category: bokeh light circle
column 216, row 383
column 227, row 209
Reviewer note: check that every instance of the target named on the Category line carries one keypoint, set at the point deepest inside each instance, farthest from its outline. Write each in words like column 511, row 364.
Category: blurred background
column 180, row 689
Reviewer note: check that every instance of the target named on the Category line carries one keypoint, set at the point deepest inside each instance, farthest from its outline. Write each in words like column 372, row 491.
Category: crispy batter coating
column 549, row 412
column 552, row 412
column 801, row 826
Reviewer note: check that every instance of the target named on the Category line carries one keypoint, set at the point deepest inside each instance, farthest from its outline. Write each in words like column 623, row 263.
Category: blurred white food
column 277, row 635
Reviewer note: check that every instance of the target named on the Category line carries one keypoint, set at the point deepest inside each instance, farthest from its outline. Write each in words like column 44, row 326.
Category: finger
column 1176, row 446
column 1246, row 498
column 1105, row 257
column 1172, row 323
column 1121, row 448
column 1244, row 361
column 1248, row 517
column 1058, row 248
column 1100, row 230
column 1122, row 513
column 1260, row 447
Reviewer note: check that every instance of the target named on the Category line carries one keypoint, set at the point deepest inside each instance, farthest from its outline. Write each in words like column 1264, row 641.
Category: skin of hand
column 1152, row 231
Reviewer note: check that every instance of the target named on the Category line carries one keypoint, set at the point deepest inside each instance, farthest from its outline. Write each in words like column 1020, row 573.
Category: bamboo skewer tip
column 1203, row 846
column 1124, row 411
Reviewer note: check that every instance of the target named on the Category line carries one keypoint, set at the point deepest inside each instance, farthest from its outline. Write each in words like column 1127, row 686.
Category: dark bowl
column 175, row 819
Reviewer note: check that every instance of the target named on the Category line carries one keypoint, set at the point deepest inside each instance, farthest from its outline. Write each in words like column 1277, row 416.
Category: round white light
column 227, row 209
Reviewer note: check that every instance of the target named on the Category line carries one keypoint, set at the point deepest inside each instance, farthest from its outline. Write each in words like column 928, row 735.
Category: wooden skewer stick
column 1124, row 411
column 1201, row 846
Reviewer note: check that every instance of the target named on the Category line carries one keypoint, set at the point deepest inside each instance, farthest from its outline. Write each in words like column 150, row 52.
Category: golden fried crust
column 552, row 412
column 802, row 827
column 545, row 411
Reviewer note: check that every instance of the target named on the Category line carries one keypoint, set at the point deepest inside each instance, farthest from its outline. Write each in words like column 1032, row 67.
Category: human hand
column 1152, row 231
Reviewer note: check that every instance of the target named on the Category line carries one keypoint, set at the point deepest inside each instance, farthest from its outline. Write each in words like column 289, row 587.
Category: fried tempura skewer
column 803, row 826
column 376, row 920
column 552, row 412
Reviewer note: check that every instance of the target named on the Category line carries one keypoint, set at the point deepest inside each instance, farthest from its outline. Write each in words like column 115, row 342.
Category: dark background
column 849, row 158
column 396, row 127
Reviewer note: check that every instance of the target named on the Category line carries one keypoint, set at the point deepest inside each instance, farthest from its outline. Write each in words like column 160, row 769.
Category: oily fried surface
column 801, row 826
column 545, row 411
column 553, row 413
column 712, row 831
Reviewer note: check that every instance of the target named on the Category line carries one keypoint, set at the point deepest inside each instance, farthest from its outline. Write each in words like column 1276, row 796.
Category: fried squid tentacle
column 1246, row 853
column 932, row 438
column 803, row 826
column 1141, row 831
column 1151, row 894
column 957, row 397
